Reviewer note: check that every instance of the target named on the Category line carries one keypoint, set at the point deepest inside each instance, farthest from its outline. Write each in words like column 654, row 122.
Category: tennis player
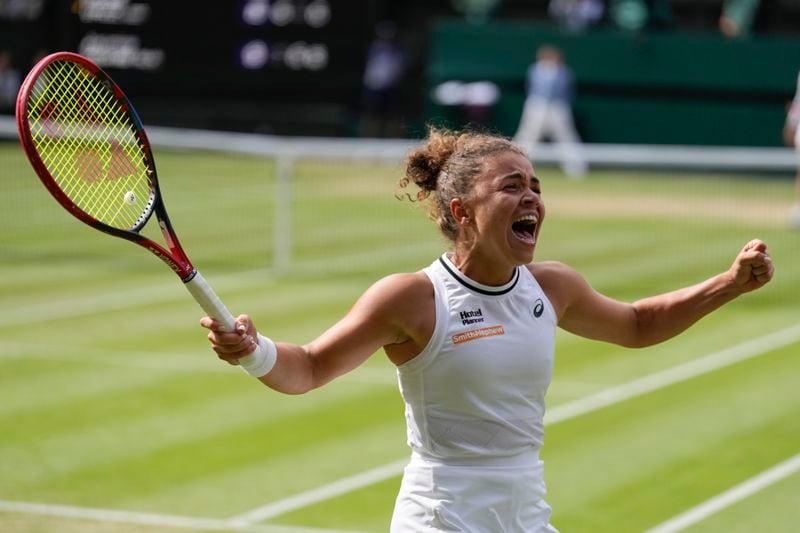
column 473, row 334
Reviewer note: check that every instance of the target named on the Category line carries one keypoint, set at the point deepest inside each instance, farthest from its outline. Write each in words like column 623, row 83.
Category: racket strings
column 88, row 168
column 89, row 127
column 94, row 113
column 103, row 102
column 87, row 140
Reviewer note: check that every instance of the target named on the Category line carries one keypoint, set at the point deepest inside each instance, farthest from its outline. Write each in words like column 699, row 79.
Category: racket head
column 87, row 144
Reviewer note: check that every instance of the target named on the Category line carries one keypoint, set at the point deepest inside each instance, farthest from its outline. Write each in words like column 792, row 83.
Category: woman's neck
column 479, row 268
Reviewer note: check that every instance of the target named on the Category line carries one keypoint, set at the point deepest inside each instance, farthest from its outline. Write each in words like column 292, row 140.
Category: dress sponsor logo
column 538, row 307
column 473, row 334
column 471, row 317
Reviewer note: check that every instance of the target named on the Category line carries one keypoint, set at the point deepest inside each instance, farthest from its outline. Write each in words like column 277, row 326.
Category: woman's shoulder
column 545, row 270
column 553, row 275
column 558, row 281
column 407, row 301
column 407, row 281
column 402, row 290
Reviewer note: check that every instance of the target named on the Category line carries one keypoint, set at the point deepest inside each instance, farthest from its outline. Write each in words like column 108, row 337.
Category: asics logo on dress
column 471, row 317
column 538, row 307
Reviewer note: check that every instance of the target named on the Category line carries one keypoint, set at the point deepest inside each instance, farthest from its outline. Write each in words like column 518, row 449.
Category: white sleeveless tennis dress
column 474, row 409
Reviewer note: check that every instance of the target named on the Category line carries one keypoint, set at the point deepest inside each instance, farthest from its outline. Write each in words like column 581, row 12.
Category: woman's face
column 507, row 210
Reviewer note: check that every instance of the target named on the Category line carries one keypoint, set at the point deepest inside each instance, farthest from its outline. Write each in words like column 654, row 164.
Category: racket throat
column 168, row 237
column 175, row 259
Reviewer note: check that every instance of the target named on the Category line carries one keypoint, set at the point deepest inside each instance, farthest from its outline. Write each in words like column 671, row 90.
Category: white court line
column 325, row 492
column 113, row 300
column 729, row 497
column 99, row 303
column 676, row 374
column 148, row 519
column 588, row 404
column 165, row 361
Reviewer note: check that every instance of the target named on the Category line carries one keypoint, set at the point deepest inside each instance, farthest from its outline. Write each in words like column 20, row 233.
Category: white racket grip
column 209, row 301
column 261, row 360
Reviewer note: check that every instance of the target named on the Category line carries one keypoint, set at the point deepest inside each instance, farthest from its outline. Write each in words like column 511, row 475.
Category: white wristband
column 262, row 359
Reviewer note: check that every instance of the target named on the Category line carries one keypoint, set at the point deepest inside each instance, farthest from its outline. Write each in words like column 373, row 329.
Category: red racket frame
column 174, row 256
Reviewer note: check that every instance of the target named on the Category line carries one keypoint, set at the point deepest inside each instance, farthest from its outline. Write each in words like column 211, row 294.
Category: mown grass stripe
column 730, row 497
column 165, row 291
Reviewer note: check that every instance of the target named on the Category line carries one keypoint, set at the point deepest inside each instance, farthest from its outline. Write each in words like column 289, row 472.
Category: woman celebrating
column 472, row 336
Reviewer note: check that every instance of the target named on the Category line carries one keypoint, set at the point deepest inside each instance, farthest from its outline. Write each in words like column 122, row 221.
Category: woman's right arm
column 379, row 318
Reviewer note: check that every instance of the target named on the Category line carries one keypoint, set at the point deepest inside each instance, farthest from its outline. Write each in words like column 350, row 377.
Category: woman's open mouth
column 524, row 228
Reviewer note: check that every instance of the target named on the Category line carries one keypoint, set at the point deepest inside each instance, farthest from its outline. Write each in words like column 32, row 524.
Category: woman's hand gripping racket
column 89, row 148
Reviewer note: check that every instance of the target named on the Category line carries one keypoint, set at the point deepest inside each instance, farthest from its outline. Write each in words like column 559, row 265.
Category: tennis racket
column 89, row 148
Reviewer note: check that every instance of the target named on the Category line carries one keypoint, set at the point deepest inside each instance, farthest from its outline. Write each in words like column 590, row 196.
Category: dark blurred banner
column 228, row 64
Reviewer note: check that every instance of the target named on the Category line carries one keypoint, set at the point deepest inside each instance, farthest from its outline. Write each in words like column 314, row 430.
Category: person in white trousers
column 548, row 111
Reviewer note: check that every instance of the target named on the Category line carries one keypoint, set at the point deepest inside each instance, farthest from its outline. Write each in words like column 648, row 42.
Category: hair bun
column 426, row 163
column 446, row 167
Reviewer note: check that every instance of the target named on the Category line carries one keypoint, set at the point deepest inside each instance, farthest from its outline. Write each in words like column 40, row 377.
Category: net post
column 282, row 238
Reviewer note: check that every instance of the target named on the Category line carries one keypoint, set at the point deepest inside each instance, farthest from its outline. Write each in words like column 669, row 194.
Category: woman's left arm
column 648, row 321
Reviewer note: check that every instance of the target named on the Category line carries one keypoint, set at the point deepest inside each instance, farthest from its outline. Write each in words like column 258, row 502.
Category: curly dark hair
column 447, row 166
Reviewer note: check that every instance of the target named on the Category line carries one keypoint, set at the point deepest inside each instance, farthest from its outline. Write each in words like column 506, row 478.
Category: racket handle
column 209, row 301
column 211, row 304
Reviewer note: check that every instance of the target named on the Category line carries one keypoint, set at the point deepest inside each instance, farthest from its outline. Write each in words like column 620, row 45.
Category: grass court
column 116, row 416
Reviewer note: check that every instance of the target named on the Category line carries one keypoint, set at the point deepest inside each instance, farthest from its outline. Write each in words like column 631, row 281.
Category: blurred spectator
column 737, row 17
column 791, row 135
column 476, row 11
column 635, row 15
column 9, row 83
column 576, row 15
column 548, row 110
column 385, row 66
